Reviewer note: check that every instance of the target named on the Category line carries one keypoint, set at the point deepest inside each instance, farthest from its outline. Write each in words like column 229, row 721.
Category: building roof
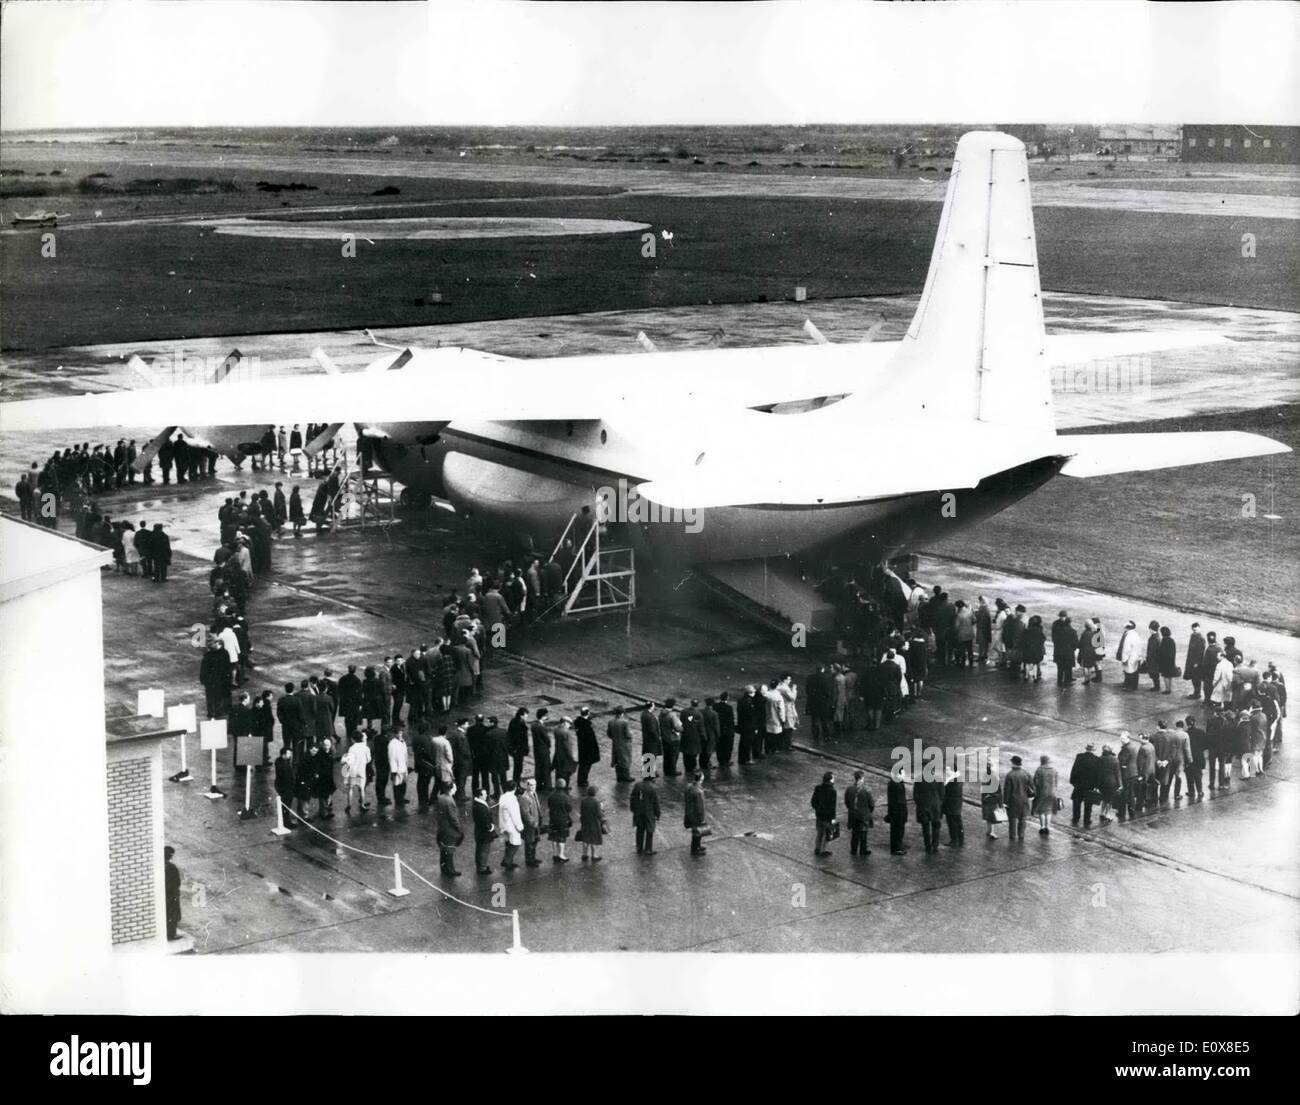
column 33, row 557
column 1127, row 133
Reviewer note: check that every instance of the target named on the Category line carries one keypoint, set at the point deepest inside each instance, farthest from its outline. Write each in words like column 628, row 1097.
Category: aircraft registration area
column 708, row 599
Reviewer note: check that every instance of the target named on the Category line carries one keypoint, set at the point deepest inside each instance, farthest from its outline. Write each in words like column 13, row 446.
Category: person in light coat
column 773, row 716
column 510, row 820
column 1045, row 794
column 1220, row 692
column 1130, row 653
column 997, row 647
column 790, row 722
column 354, row 772
column 398, row 766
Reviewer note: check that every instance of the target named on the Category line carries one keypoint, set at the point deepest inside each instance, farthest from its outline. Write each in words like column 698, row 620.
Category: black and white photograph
column 672, row 508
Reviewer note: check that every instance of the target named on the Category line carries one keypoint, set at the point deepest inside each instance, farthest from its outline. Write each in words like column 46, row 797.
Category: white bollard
column 279, row 829
column 398, row 890
column 212, row 791
column 517, row 946
column 247, row 814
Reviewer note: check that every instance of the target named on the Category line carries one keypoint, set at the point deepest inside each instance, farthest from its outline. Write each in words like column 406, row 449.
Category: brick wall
column 130, row 850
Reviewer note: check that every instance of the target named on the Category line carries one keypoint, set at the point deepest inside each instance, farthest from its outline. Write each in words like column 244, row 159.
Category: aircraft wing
column 1107, row 454
column 1077, row 348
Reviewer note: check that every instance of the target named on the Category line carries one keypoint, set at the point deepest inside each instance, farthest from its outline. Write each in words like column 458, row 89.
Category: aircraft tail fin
column 975, row 349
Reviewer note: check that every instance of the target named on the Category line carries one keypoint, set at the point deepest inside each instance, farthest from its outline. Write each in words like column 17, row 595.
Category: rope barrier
column 445, row 894
column 397, row 861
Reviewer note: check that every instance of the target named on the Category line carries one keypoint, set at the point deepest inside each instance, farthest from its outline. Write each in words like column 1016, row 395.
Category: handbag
column 833, row 830
column 1059, row 805
column 1092, row 797
column 578, row 836
column 999, row 815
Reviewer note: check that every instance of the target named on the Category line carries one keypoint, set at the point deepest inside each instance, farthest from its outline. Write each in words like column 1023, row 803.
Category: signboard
column 182, row 717
column 212, row 734
column 149, row 702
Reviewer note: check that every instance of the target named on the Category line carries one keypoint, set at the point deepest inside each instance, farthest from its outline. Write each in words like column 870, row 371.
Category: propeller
column 814, row 333
column 322, row 439
column 645, row 343
column 145, row 456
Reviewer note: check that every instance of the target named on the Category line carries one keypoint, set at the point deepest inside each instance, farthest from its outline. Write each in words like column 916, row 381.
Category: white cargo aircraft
column 890, row 442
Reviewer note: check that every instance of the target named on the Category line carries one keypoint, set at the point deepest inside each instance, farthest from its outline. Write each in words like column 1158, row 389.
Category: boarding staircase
column 601, row 577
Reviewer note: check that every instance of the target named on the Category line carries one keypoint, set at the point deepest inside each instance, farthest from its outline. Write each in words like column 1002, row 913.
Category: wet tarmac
column 1226, row 865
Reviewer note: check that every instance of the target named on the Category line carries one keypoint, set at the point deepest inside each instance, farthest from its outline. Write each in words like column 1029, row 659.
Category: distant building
column 1240, row 143
column 1140, row 141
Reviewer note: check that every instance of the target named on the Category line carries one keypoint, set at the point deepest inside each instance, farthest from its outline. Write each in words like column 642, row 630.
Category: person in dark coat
column 286, row 783
column 297, row 518
column 859, row 808
column 709, row 734
column 214, row 674
column 952, row 808
column 591, row 823
column 818, row 688
column 305, row 778
column 588, row 747
column 620, row 745
column 350, row 700
column 172, row 885
column 1167, row 659
column 462, row 759
column 1065, row 643
column 694, row 816
column 498, row 748
column 1085, row 785
column 322, row 756
column 530, row 810
column 749, row 724
column 264, row 725
column 1109, row 782
column 1033, row 648
column 517, row 742
column 1193, row 659
column 450, row 832
column 559, row 813
column 896, row 811
column 484, row 832
column 670, row 735
column 651, row 746
column 990, row 803
column 825, row 804
column 160, row 552
column 476, row 734
column 871, row 689
column 927, row 796
column 1017, row 795
column 374, row 701
column 542, row 768
column 426, row 767
column 726, row 728
column 1153, row 654
column 692, row 735
column 644, row 804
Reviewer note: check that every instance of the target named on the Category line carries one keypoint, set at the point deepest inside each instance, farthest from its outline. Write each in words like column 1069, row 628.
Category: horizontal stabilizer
column 1063, row 349
column 1107, row 454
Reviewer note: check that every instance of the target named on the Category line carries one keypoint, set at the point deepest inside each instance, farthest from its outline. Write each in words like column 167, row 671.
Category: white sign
column 212, row 734
column 149, row 702
column 182, row 717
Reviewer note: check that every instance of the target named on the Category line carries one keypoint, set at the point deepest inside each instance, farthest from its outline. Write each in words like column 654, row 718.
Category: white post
column 279, row 829
column 246, row 814
column 212, row 791
column 398, row 890
column 516, row 946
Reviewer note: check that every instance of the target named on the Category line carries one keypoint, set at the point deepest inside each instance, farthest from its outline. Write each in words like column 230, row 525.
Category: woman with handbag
column 1045, row 800
column 560, row 815
column 591, row 818
column 1111, row 785
column 991, row 808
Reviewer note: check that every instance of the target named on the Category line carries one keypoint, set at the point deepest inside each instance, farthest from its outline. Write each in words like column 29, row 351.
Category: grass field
column 1180, row 536
column 176, row 281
